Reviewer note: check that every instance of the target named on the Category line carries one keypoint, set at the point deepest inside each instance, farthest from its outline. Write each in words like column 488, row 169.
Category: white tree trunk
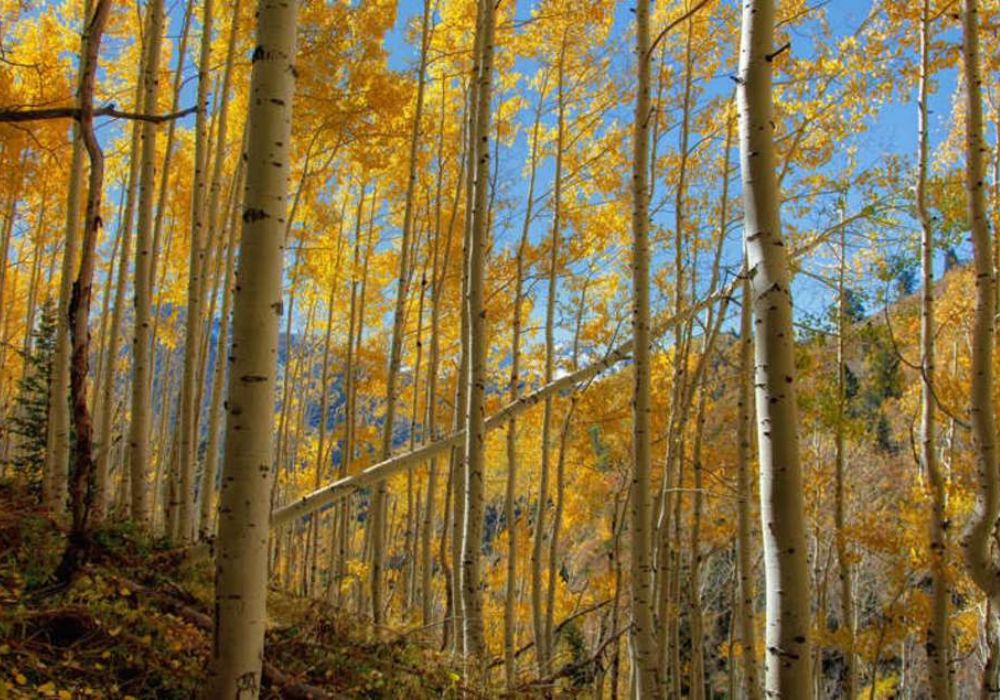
column 475, row 309
column 789, row 650
column 247, row 477
column 982, row 566
column 142, row 358
column 192, row 344
column 647, row 685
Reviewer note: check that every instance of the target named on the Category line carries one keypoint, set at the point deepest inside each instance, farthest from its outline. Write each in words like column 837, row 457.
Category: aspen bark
column 438, row 272
column 207, row 526
column 542, row 651
column 57, row 448
column 81, row 482
column 475, row 432
column 192, row 345
column 647, row 684
column 789, row 650
column 748, row 623
column 399, row 317
column 844, row 564
column 247, row 478
column 938, row 644
column 105, row 406
column 982, row 567
column 513, row 391
column 142, row 348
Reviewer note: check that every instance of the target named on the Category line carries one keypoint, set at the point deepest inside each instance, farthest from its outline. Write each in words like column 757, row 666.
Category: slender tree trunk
column 57, row 448
column 695, row 611
column 513, row 391
column 475, row 309
column 748, row 623
column 81, row 483
column 192, row 344
column 208, row 480
column 789, row 650
column 542, row 652
column 106, row 407
column 142, row 348
column 241, row 564
column 322, row 462
column 844, row 567
column 647, row 685
column 399, row 317
column 938, row 634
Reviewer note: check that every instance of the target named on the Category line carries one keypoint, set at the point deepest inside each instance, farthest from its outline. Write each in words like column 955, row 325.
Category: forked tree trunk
column 789, row 650
column 247, row 478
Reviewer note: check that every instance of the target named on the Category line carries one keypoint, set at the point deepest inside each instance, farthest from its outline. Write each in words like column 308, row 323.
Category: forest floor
column 136, row 623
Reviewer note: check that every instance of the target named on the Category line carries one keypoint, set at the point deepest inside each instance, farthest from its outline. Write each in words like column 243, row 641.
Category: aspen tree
column 513, row 390
column 438, row 271
column 321, row 454
column 347, row 445
column 142, row 347
column 215, row 223
column 982, row 568
column 475, row 310
column 647, row 685
column 747, row 595
column 81, row 481
column 396, row 346
column 105, row 405
column 542, row 652
column 241, row 563
column 207, row 526
column 57, row 448
column 939, row 633
column 789, row 650
column 192, row 344
column 845, row 568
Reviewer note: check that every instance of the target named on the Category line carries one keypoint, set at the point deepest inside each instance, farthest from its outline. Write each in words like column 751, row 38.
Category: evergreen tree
column 30, row 417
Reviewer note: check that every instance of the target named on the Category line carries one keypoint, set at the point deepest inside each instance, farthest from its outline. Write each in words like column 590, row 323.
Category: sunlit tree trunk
column 513, row 390
column 695, row 611
column 105, row 401
column 207, row 526
column 379, row 501
column 142, row 348
column 57, row 448
column 542, row 651
column 216, row 224
column 647, row 685
column 81, row 477
column 982, row 567
column 748, row 624
column 192, row 344
column 789, row 650
column 844, row 562
column 241, row 563
column 322, row 461
column 475, row 309
column 938, row 634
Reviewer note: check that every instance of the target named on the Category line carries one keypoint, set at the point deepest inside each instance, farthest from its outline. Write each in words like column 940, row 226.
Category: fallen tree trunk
column 340, row 488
